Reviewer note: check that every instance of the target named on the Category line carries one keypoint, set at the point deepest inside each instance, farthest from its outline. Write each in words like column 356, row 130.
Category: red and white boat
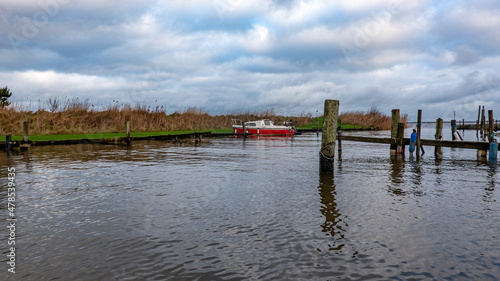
column 264, row 127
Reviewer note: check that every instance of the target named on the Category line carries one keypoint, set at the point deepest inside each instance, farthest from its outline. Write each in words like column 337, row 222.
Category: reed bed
column 372, row 118
column 80, row 117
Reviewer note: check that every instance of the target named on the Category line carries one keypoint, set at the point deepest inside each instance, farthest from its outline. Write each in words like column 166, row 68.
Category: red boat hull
column 267, row 132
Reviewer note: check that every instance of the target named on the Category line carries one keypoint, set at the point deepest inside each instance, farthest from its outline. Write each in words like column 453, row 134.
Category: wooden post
column 477, row 122
column 25, row 131
column 491, row 124
column 483, row 121
column 438, row 135
column 400, row 136
column 8, row 142
column 127, row 126
column 463, row 125
column 419, row 126
column 453, row 129
column 394, row 131
column 327, row 152
column 339, row 146
column 244, row 131
column 317, row 127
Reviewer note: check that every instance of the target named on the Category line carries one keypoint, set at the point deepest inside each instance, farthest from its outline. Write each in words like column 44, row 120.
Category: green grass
column 109, row 135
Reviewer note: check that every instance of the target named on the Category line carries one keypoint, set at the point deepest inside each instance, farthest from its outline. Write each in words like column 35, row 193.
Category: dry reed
column 373, row 118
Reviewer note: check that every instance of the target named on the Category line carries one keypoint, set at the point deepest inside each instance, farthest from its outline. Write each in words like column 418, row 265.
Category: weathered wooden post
column 8, row 142
column 327, row 152
column 438, row 135
column 339, row 135
column 25, row 131
column 127, row 126
column 491, row 125
column 453, row 129
column 244, row 131
column 394, row 131
column 483, row 124
column 400, row 136
column 477, row 122
column 419, row 126
column 317, row 127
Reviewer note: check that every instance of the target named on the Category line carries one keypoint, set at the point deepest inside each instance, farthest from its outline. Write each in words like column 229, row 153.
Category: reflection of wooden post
column 327, row 152
column 394, row 131
column 438, row 135
column 128, row 131
column 419, row 125
column 25, row 131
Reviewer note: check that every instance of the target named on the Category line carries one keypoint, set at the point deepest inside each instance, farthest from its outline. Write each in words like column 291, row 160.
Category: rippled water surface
column 229, row 209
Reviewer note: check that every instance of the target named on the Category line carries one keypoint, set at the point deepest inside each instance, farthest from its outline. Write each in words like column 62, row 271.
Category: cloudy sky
column 233, row 55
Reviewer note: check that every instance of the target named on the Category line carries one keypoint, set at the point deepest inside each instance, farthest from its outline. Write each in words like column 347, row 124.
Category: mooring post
column 394, row 131
column 419, row 125
column 8, row 142
column 483, row 124
column 25, row 131
column 453, row 129
column 127, row 126
column 317, row 127
column 327, row 152
column 438, row 135
column 477, row 122
column 244, row 131
column 339, row 138
column 491, row 124
column 400, row 136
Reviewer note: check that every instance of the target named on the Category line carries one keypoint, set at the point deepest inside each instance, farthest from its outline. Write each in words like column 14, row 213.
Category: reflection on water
column 233, row 209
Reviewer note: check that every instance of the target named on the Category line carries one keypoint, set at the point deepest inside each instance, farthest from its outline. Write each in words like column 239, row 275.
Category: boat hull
column 267, row 132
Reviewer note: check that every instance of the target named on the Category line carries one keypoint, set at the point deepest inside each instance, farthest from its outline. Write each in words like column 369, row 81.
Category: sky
column 229, row 56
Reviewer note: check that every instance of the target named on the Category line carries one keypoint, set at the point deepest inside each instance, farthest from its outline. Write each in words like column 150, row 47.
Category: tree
column 5, row 94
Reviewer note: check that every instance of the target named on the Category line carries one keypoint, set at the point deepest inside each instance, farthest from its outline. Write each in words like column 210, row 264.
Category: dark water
column 230, row 209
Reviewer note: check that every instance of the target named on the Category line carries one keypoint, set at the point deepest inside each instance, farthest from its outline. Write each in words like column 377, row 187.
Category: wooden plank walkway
column 480, row 145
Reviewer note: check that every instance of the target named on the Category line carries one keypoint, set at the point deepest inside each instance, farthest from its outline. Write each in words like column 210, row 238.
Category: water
column 230, row 209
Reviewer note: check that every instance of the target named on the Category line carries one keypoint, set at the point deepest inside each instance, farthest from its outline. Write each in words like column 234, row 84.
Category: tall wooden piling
column 8, row 142
column 127, row 126
column 25, row 131
column 394, row 131
column 477, row 122
column 401, row 134
column 438, row 135
column 419, row 126
column 483, row 121
column 317, row 127
column 453, row 129
column 244, row 130
column 327, row 152
column 339, row 139
column 491, row 125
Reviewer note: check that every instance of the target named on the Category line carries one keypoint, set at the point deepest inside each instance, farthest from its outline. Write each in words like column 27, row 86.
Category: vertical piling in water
column 453, row 129
column 477, row 122
column 127, row 126
column 8, row 142
column 339, row 138
column 317, row 127
column 327, row 152
column 25, row 131
column 438, row 135
column 401, row 134
column 483, row 124
column 419, row 126
column 394, row 131
column 491, row 125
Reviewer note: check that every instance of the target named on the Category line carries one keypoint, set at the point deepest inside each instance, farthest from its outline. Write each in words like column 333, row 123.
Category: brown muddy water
column 257, row 209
